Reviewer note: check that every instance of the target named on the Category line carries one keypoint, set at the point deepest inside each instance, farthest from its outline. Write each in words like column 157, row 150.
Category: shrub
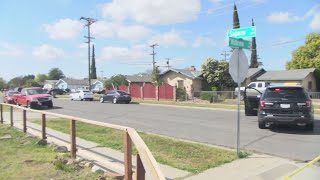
column 213, row 88
column 206, row 95
column 181, row 94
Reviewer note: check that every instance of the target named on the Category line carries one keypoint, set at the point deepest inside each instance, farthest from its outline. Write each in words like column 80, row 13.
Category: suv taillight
column 308, row 103
column 262, row 103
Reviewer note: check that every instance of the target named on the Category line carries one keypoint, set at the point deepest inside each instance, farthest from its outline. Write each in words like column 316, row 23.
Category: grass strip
column 192, row 157
column 22, row 158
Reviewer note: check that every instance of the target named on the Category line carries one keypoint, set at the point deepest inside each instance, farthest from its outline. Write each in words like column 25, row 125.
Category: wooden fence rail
column 145, row 159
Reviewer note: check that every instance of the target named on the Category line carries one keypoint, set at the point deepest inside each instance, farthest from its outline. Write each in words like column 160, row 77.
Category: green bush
column 181, row 94
column 206, row 95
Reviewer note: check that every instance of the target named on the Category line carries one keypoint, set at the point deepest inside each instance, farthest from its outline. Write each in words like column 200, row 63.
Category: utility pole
column 168, row 63
column 101, row 74
column 225, row 54
column 90, row 21
column 153, row 55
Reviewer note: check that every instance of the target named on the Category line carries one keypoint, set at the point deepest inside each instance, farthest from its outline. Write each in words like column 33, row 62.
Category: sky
column 38, row 35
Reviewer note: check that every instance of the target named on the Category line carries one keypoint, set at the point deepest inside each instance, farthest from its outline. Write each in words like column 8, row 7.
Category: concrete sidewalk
column 256, row 167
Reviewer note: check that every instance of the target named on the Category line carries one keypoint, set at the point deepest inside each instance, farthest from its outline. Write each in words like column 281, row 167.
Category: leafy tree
column 41, row 77
column 254, row 58
column 236, row 22
column 31, row 83
column 55, row 74
column 155, row 75
column 27, row 77
column 93, row 65
column 216, row 73
column 16, row 82
column 308, row 55
column 116, row 80
column 3, row 83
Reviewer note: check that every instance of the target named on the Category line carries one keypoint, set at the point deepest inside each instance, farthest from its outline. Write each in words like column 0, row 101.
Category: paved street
column 202, row 125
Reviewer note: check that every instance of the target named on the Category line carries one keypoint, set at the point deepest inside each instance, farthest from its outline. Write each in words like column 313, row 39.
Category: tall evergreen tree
column 254, row 59
column 93, row 65
column 236, row 22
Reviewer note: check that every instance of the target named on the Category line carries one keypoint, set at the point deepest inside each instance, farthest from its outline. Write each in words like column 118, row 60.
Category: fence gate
column 135, row 91
column 149, row 91
column 165, row 91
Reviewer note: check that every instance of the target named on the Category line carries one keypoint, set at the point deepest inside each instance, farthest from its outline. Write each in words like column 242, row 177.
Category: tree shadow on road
column 297, row 129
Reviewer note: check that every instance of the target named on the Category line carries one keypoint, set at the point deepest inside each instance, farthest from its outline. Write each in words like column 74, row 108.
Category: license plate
column 285, row 106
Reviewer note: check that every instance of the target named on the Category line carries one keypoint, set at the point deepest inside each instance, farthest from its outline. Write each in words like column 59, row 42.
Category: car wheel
column 127, row 102
column 262, row 125
column 101, row 100
column 114, row 101
column 309, row 127
column 91, row 99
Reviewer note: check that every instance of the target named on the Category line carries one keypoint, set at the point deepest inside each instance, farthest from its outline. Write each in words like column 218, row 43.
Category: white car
column 82, row 95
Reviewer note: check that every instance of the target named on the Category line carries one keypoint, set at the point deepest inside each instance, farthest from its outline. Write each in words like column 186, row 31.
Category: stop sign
column 238, row 65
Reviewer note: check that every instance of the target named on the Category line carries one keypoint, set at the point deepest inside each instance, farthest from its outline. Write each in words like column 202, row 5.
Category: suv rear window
column 285, row 92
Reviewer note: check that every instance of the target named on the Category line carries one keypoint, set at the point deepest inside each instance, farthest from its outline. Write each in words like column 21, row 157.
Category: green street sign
column 239, row 43
column 242, row 32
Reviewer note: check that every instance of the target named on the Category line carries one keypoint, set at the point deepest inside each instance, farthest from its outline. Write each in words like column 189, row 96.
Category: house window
column 310, row 85
column 180, row 84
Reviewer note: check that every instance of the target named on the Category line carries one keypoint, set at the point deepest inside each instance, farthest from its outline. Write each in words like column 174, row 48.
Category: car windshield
column 36, row 91
column 122, row 93
column 12, row 93
column 285, row 92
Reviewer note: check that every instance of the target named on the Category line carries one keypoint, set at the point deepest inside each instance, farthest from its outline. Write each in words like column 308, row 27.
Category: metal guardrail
column 145, row 159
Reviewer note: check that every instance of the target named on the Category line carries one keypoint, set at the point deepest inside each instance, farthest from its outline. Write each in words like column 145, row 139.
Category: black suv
column 285, row 105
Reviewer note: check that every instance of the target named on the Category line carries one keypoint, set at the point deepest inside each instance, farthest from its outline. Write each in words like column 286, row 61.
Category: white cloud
column 103, row 29
column 9, row 49
column 83, row 46
column 168, row 39
column 202, row 40
column 286, row 17
column 47, row 52
column 63, row 29
column 315, row 23
column 134, row 32
column 113, row 53
column 152, row 12
column 283, row 17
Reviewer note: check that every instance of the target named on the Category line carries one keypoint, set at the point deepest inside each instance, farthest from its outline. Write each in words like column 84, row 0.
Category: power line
column 90, row 21
column 225, row 54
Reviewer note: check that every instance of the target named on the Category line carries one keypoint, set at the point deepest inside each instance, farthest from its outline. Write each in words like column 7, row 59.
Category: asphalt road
column 210, row 126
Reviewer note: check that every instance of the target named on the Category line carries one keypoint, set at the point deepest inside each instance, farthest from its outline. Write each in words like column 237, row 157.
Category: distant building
column 304, row 77
column 253, row 74
column 50, row 84
column 189, row 79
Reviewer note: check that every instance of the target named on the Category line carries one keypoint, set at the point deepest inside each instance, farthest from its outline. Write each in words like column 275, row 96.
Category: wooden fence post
column 43, row 122
column 1, row 115
column 157, row 92
column 142, row 91
column 11, row 116
column 140, row 171
column 24, row 120
column 174, row 93
column 127, row 155
column 73, row 149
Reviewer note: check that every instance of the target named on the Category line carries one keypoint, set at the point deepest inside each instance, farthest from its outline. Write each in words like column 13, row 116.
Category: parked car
column 10, row 97
column 82, row 95
column 34, row 97
column 116, row 96
column 289, row 105
column 18, row 89
column 56, row 91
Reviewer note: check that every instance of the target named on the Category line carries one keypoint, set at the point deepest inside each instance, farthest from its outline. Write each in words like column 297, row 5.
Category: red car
column 10, row 97
column 34, row 97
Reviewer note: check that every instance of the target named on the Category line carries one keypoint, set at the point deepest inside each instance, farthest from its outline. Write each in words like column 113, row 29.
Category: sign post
column 238, row 69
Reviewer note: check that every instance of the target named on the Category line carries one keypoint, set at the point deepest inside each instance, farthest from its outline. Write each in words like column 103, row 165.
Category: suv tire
column 309, row 127
column 262, row 125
